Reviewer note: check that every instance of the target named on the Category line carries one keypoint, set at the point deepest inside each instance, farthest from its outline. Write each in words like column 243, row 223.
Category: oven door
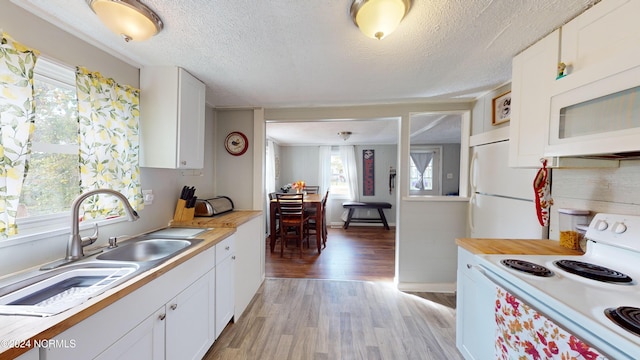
column 527, row 325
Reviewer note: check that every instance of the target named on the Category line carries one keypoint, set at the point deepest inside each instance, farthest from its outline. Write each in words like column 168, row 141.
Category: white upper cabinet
column 172, row 116
column 601, row 50
column 601, row 42
column 534, row 71
column 595, row 108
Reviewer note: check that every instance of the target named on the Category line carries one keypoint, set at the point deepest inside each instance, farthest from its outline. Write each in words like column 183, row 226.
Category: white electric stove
column 595, row 297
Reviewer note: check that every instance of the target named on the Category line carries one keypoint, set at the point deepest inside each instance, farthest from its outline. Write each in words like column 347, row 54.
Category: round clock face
column 236, row 143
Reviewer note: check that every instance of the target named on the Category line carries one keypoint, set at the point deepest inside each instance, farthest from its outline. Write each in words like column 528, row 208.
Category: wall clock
column 236, row 143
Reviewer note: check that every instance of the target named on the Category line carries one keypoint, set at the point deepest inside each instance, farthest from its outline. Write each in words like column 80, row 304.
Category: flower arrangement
column 298, row 185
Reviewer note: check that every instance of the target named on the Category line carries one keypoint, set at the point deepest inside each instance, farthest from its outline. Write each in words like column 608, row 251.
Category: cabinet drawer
column 225, row 248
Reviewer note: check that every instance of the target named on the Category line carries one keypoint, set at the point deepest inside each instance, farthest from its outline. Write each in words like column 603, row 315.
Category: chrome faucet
column 76, row 242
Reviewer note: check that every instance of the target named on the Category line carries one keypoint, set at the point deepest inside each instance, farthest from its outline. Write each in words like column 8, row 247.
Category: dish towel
column 542, row 189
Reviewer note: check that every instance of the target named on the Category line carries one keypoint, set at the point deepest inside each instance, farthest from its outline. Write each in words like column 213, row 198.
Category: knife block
column 182, row 212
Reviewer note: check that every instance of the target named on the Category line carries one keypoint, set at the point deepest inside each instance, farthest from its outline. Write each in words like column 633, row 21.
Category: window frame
column 436, row 175
column 46, row 226
column 335, row 151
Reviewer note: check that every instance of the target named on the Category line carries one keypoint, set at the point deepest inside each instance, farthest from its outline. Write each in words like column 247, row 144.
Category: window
column 427, row 157
column 339, row 184
column 427, row 177
column 52, row 181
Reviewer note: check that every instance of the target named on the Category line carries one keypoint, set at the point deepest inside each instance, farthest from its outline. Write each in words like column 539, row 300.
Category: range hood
column 610, row 160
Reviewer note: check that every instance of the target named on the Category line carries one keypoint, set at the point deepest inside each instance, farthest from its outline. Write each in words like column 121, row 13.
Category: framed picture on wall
column 368, row 168
column 501, row 109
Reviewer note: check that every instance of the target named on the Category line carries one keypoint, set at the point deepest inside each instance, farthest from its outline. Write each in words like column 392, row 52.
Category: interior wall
column 299, row 163
column 483, row 111
column 235, row 174
column 450, row 169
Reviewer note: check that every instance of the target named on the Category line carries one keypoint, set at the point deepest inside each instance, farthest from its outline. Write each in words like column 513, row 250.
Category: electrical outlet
column 147, row 196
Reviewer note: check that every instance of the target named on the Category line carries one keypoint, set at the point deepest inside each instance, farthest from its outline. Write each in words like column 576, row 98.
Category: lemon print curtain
column 17, row 114
column 108, row 119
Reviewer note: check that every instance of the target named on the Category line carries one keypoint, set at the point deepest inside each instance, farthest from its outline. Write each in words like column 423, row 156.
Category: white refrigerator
column 502, row 201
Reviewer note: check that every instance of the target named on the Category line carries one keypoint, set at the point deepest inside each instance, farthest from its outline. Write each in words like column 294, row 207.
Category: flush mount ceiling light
column 129, row 18
column 378, row 18
column 344, row 135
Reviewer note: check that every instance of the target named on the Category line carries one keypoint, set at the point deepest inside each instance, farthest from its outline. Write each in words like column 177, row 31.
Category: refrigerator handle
column 472, row 173
column 473, row 184
column 472, row 200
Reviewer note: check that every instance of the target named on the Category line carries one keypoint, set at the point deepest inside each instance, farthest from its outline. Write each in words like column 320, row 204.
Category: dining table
column 310, row 201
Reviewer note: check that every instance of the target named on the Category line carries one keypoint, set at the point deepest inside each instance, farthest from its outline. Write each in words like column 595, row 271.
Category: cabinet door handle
column 469, row 266
column 173, row 306
column 227, row 248
column 183, row 162
column 233, row 257
column 162, row 316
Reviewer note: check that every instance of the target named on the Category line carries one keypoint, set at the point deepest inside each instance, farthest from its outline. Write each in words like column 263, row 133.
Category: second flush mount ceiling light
column 345, row 135
column 378, row 18
column 130, row 19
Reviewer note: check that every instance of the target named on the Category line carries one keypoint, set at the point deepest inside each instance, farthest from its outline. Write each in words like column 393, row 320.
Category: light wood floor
column 311, row 307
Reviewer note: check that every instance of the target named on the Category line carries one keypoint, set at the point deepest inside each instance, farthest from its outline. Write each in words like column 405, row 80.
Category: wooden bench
column 366, row 205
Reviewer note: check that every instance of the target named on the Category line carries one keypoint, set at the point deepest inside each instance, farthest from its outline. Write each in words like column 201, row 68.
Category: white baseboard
column 448, row 288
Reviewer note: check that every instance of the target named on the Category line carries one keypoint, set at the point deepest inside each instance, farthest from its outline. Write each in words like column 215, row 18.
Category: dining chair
column 313, row 218
column 312, row 189
column 272, row 196
column 293, row 220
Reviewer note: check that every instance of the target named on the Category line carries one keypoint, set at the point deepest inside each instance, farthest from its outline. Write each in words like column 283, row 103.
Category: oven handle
column 496, row 280
column 483, row 272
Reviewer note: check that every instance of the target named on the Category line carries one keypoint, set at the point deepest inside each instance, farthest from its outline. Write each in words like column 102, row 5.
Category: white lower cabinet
column 33, row 354
column 250, row 257
column 181, row 329
column 189, row 328
column 475, row 318
column 172, row 317
column 145, row 341
column 225, row 278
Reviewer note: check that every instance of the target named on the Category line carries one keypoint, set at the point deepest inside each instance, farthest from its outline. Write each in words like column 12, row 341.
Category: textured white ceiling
column 309, row 53
column 286, row 53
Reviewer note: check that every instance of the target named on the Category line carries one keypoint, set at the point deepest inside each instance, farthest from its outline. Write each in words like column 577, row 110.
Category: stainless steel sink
column 147, row 250
column 49, row 293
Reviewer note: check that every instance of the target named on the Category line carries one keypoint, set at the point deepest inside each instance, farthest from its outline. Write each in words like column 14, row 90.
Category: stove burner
column 592, row 271
column 625, row 316
column 527, row 267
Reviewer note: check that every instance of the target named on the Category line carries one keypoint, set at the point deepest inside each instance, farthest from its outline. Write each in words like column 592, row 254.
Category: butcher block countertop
column 515, row 247
column 232, row 219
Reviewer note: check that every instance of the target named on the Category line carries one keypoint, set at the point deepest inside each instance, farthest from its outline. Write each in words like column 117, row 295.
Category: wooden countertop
column 231, row 219
column 23, row 330
column 515, row 247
